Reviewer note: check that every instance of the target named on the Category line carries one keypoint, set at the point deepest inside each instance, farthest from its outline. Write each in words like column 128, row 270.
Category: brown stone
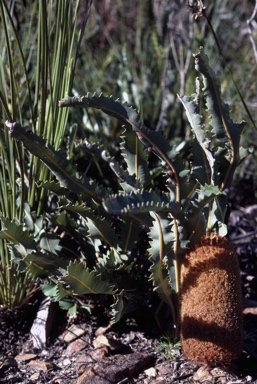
column 114, row 345
column 164, row 370
column 35, row 376
column 89, row 377
column 26, row 357
column 203, row 374
column 76, row 346
column 90, row 358
column 160, row 381
column 74, row 332
column 102, row 330
column 40, row 365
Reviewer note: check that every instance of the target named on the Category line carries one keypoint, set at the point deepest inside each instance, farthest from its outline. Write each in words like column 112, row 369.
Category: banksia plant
column 211, row 302
column 191, row 264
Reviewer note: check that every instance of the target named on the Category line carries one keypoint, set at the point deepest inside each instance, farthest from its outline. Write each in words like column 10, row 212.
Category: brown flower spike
column 211, row 302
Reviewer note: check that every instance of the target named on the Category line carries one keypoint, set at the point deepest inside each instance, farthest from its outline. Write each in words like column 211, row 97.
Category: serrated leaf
column 80, row 280
column 65, row 221
column 50, row 243
column 122, row 174
column 17, row 253
column 165, row 268
column 226, row 133
column 142, row 201
column 57, row 162
column 49, row 289
column 131, row 120
column 117, row 309
column 202, row 141
column 55, row 187
column 98, row 227
column 44, row 264
column 15, row 233
column 124, row 303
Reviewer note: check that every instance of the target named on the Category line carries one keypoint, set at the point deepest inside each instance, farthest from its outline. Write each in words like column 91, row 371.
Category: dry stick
column 164, row 93
column 181, row 64
column 249, row 23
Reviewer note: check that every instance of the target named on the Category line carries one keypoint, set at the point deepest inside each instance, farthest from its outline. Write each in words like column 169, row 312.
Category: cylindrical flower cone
column 211, row 302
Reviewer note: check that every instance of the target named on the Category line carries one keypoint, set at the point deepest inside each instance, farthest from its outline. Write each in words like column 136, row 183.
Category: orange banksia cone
column 211, row 302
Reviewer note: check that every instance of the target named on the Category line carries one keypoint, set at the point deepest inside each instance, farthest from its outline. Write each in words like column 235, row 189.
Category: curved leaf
column 126, row 178
column 226, row 133
column 80, row 280
column 57, row 162
column 130, row 118
column 142, row 201
column 16, row 233
column 136, row 157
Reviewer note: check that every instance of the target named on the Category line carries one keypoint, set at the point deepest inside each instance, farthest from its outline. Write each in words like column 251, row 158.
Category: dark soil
column 137, row 333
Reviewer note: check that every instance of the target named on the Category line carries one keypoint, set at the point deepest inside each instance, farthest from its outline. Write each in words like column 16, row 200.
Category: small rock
column 150, row 372
column 40, row 365
column 66, row 362
column 251, row 311
column 88, row 377
column 114, row 345
column 203, row 374
column 102, row 330
column 72, row 333
column 160, row 380
column 35, row 376
column 90, row 358
column 26, row 357
column 99, row 353
column 100, row 341
column 164, row 370
column 76, row 346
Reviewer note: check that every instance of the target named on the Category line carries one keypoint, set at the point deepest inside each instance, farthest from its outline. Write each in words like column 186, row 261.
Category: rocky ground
column 85, row 350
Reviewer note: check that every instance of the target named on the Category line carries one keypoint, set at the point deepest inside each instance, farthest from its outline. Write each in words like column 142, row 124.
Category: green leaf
column 56, row 188
column 123, row 304
column 17, row 234
column 57, row 162
column 142, row 201
column 165, row 255
column 98, row 227
column 202, row 142
column 225, row 133
column 136, row 157
column 68, row 305
column 49, row 289
column 130, row 118
column 46, row 262
column 82, row 281
column 117, row 308
column 50, row 243
column 123, row 175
